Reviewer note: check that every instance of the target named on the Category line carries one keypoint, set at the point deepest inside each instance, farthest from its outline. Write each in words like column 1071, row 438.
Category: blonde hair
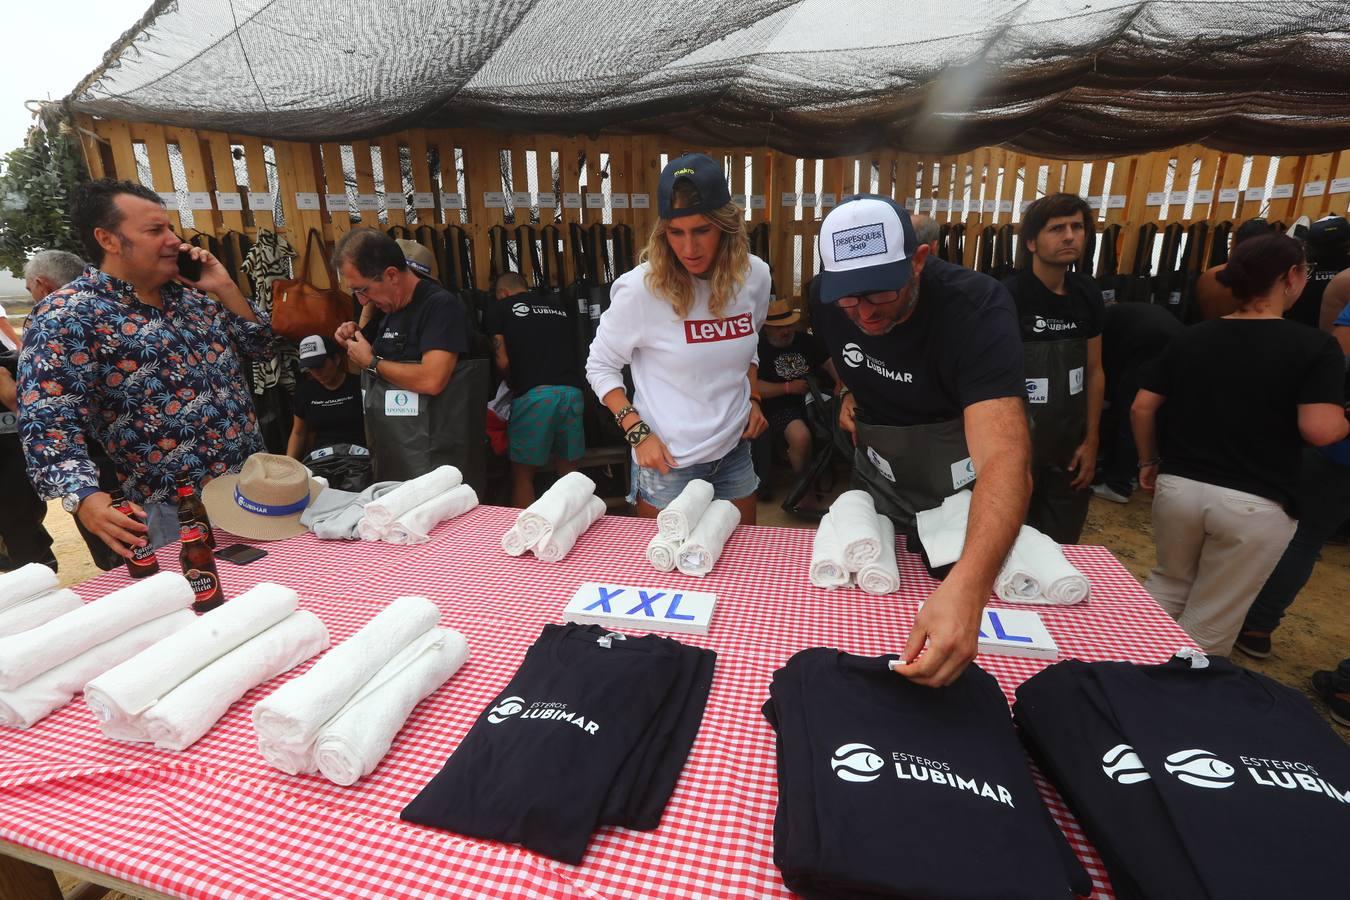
column 668, row 279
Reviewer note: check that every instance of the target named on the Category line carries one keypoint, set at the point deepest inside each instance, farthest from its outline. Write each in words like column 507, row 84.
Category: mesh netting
column 811, row 77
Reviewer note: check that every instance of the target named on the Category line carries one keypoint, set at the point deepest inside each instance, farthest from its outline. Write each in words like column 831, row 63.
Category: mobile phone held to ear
column 189, row 268
column 241, row 554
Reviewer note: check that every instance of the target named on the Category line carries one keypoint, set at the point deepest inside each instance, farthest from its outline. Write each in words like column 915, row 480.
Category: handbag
column 300, row 309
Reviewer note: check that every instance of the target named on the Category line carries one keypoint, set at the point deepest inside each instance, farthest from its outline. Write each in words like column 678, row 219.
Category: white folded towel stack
column 380, row 514
column 56, row 687
column 678, row 520
column 661, row 553
column 513, row 542
column 558, row 541
column 700, row 553
column 1037, row 571
column 566, row 499
column 883, row 575
column 942, row 529
column 25, row 583
column 28, row 654
column 121, row 696
column 828, row 570
column 38, row 610
column 855, row 522
column 414, row 526
column 350, row 746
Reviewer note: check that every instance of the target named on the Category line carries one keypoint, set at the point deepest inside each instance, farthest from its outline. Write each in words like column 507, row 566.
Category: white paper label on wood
column 1204, row 197
column 368, row 202
column 828, row 200
column 336, row 202
column 1005, row 206
column 170, row 198
column 548, row 200
column 808, row 199
column 909, row 203
column 595, row 201
column 494, row 199
column 1116, row 201
column 789, row 199
column 571, row 201
column 229, row 200
column 739, row 200
column 452, row 201
column 989, row 206
column 199, row 200
column 944, row 206
column 1340, row 185
column 1314, row 189
column 1177, row 198
column 1155, row 198
column 306, row 200
column 758, row 201
column 640, row 201
column 618, row 201
column 1094, row 203
column 260, row 200
column 1282, row 192
column 424, row 200
column 520, row 198
column 1025, row 204
column 1229, row 195
column 1256, row 193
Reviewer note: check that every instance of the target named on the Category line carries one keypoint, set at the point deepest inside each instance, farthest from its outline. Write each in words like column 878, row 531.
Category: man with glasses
column 409, row 357
column 931, row 361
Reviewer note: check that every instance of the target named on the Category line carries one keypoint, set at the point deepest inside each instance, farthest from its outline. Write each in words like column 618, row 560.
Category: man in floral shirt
column 144, row 359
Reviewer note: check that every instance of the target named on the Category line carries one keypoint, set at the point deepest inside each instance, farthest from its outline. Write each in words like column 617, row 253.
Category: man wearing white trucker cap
column 931, row 360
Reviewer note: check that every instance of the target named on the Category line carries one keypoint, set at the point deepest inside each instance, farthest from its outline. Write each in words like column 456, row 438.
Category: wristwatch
column 71, row 502
column 374, row 367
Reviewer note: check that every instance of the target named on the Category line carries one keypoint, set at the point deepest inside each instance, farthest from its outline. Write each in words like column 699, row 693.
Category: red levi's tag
column 703, row 331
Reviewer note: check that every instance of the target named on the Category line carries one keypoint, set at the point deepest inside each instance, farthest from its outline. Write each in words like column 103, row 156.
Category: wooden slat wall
column 979, row 188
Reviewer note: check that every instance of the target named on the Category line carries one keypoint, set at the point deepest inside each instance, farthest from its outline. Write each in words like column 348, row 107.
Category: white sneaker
column 1106, row 493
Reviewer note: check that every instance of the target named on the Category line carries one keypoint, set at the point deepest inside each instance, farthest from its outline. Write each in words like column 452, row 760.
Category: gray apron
column 410, row 434
column 1056, row 399
column 910, row 468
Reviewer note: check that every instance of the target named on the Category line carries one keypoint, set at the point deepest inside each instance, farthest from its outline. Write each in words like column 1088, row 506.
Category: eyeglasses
column 876, row 298
column 362, row 291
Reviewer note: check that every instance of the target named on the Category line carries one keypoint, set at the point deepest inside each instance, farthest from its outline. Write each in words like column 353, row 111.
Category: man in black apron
column 425, row 403
column 1060, row 313
column 931, row 362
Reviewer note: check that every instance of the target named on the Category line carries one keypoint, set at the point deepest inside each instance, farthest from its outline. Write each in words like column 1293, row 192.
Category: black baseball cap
column 315, row 349
column 707, row 177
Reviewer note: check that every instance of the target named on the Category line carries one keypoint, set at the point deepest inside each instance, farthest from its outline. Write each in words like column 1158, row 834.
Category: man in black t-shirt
column 931, row 363
column 529, row 340
column 786, row 357
column 1060, row 314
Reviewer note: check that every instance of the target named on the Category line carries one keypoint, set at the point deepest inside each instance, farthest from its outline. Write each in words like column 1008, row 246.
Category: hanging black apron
column 1056, row 374
column 910, row 468
column 410, row 434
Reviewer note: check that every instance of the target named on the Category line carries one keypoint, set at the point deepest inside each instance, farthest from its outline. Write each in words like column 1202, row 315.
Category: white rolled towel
column 119, row 696
column 513, row 541
column 187, row 712
column 37, row 611
column 942, row 529
column 25, row 583
column 26, row 655
column 1037, row 571
column 367, row 530
column 353, row 743
column 559, row 540
column 566, row 499
column 662, row 552
column 827, row 557
column 677, row 521
column 414, row 526
column 882, row 576
column 381, row 513
column 700, row 553
column 56, row 687
column 855, row 522
column 288, row 719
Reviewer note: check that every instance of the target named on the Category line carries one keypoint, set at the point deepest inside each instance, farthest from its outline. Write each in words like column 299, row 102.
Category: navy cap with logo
column 867, row 244
column 707, row 177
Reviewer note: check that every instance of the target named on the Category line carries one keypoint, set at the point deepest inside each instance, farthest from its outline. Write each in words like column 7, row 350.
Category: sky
column 52, row 45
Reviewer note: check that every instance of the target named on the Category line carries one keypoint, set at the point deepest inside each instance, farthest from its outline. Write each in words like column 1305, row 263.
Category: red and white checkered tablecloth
column 216, row 821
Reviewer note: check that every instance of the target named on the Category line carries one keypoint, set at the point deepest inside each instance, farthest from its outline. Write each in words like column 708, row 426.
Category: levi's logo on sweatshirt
column 702, row 331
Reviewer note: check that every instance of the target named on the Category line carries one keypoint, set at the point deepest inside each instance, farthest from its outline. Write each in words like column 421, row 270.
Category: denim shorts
column 732, row 477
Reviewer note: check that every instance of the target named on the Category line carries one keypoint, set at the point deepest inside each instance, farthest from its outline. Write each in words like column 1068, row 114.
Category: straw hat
column 264, row 501
column 782, row 313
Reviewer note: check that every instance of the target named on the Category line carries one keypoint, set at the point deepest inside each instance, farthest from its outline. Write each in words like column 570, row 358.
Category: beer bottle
column 143, row 561
column 189, row 498
column 199, row 568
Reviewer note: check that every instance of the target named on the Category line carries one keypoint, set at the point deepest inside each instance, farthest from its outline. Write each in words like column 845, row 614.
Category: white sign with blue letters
column 1016, row 632
column 643, row 608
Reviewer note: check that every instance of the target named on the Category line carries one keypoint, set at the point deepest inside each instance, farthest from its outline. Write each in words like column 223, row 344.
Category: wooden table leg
column 24, row 879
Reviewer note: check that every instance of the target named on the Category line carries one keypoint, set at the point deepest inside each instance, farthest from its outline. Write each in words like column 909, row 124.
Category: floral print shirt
column 162, row 390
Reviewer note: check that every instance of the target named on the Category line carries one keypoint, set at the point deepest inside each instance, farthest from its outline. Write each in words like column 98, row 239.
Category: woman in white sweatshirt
column 687, row 320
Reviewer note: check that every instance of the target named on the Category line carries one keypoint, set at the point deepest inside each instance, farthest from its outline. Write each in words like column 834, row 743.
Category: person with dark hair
column 1060, row 313
column 328, row 432
column 927, row 230
column 1328, row 256
column 143, row 358
column 1212, row 296
column 420, row 413
column 544, row 375
column 1238, row 398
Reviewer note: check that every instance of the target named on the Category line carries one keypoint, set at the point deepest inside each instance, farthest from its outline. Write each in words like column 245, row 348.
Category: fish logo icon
column 857, row 762
column 1121, row 764
column 1200, row 768
column 508, row 707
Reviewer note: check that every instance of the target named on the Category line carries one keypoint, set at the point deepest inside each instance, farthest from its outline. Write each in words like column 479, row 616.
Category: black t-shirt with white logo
column 779, row 365
column 538, row 339
column 960, row 346
column 334, row 417
column 433, row 320
column 887, row 788
column 1044, row 315
column 1201, row 782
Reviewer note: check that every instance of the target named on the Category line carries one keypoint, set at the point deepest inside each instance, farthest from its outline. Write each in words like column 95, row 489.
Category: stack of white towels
column 692, row 531
column 44, row 667
column 30, row 596
column 408, row 513
column 340, row 717
column 855, row 541
column 551, row 525
column 171, row 693
column 1036, row 570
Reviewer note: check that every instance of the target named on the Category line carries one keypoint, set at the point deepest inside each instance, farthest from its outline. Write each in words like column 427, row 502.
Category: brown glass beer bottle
column 143, row 561
column 199, row 568
column 189, row 499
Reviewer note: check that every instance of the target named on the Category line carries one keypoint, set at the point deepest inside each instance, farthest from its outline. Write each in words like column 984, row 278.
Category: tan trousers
column 1216, row 547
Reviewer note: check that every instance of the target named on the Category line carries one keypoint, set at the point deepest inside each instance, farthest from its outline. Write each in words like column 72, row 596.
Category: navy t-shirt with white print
column 538, row 339
column 1044, row 315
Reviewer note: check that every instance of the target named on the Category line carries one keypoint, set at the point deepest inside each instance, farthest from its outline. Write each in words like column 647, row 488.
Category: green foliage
column 36, row 181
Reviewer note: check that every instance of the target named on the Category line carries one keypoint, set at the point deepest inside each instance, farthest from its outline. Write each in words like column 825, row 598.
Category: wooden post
column 220, row 172
column 194, row 171
column 161, row 173
column 335, row 183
